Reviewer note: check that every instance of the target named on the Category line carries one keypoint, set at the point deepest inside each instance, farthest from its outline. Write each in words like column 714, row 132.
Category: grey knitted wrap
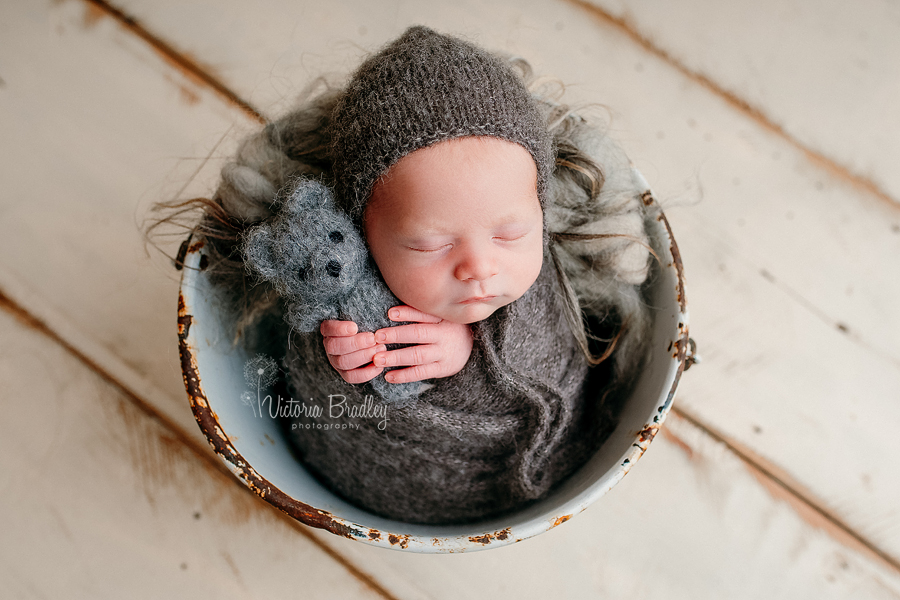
column 517, row 420
column 421, row 89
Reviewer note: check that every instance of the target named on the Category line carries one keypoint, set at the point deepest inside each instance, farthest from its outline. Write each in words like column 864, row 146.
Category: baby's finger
column 354, row 360
column 416, row 373
column 348, row 344
column 333, row 328
column 414, row 333
column 361, row 375
column 411, row 355
column 408, row 313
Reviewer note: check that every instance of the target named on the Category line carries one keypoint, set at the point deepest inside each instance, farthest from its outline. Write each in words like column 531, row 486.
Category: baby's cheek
column 410, row 284
column 528, row 272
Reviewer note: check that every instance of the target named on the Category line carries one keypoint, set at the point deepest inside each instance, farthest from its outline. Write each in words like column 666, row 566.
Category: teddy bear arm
column 306, row 318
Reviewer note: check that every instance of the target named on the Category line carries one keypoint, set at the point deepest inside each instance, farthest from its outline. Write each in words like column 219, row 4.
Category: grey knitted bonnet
column 421, row 89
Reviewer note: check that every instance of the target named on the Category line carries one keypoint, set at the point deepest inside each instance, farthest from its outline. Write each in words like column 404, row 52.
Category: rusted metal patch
column 676, row 258
column 401, row 540
column 188, row 248
column 647, row 434
column 484, row 540
column 561, row 520
column 487, row 538
column 196, row 246
column 182, row 253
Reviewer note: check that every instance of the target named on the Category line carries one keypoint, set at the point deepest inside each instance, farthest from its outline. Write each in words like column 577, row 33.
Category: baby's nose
column 476, row 266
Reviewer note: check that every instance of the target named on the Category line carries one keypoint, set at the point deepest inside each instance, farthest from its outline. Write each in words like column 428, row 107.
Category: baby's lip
column 475, row 299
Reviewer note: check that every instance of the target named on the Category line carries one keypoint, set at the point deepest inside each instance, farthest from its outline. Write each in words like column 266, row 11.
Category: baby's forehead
column 469, row 173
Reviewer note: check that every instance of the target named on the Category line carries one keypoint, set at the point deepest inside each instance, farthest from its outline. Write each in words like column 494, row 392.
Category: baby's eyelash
column 505, row 238
column 428, row 249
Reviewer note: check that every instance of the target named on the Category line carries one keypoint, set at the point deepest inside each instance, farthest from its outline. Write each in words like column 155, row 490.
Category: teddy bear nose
column 333, row 268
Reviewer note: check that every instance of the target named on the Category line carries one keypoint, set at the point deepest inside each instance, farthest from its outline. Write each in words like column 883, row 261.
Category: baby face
column 457, row 228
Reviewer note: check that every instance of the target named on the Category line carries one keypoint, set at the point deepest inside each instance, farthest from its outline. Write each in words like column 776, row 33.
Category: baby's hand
column 348, row 350
column 441, row 348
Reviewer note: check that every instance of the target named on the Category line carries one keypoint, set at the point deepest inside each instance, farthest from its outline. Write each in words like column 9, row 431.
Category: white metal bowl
column 255, row 451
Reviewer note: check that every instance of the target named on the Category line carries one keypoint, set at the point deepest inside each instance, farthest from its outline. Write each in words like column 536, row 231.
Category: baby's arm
column 440, row 349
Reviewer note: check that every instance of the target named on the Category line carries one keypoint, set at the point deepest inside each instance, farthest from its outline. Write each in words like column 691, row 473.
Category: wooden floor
column 771, row 132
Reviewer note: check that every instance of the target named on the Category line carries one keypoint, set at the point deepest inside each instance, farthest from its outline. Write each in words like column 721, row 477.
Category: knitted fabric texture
column 421, row 89
column 513, row 423
column 318, row 263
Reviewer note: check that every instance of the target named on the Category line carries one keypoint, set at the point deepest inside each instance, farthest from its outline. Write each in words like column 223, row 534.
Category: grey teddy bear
column 317, row 260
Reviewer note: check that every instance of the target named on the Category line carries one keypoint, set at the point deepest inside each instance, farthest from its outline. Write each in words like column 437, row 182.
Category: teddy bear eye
column 336, row 236
column 301, row 273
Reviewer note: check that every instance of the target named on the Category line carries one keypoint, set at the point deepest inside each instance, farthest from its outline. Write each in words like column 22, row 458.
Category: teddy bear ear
column 306, row 195
column 259, row 252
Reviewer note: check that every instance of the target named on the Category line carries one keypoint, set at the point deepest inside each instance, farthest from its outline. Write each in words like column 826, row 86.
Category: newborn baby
column 456, row 230
column 511, row 231
column 443, row 160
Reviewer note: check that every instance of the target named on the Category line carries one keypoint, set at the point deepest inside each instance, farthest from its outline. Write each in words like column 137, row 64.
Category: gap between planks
column 753, row 112
column 782, row 486
column 33, row 322
column 770, row 476
column 180, row 61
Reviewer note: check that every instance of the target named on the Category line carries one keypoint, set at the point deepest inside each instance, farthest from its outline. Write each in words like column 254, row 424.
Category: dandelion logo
column 260, row 372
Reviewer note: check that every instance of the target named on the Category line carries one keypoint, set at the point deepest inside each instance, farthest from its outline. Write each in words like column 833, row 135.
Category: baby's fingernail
column 390, row 378
column 379, row 361
column 395, row 314
column 380, row 337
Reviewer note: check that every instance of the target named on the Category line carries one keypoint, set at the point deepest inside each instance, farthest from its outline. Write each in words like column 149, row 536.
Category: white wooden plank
column 102, row 501
column 784, row 258
column 824, row 71
column 95, row 127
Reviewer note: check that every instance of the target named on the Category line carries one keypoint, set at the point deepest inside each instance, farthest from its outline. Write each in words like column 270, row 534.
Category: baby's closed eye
column 509, row 238
column 511, row 233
